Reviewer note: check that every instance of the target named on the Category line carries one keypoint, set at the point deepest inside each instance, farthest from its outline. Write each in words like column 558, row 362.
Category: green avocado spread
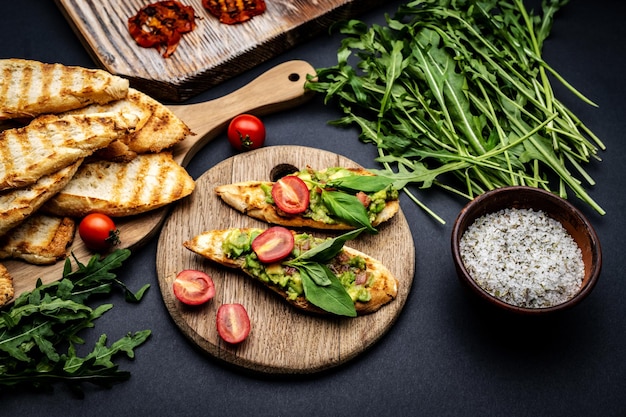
column 349, row 270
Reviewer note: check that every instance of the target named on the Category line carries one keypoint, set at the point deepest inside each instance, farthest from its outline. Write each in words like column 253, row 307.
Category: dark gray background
column 446, row 354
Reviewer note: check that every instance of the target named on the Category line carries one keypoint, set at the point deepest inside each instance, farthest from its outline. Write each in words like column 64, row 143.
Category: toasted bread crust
column 383, row 290
column 40, row 240
column 157, row 129
column 31, row 88
column 120, row 189
column 6, row 286
column 50, row 143
column 18, row 204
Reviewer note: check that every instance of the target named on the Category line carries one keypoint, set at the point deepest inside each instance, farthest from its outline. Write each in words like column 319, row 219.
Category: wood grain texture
column 280, row 88
column 212, row 53
column 283, row 340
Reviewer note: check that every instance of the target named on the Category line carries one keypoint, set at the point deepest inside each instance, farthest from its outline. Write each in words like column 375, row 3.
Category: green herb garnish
column 458, row 89
column 321, row 286
column 40, row 331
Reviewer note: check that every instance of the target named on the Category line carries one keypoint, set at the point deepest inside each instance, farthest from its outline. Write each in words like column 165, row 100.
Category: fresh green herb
column 333, row 297
column 329, row 248
column 348, row 208
column 456, row 93
column 364, row 183
column 321, row 286
column 43, row 322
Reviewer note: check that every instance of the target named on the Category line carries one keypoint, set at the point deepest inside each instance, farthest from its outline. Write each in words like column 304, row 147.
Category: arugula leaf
column 332, row 298
column 348, row 208
column 41, row 323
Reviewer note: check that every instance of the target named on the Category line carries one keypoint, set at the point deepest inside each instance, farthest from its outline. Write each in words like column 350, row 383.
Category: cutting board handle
column 280, row 88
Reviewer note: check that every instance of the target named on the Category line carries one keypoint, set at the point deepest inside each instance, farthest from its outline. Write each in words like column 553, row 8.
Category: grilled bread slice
column 52, row 142
column 16, row 205
column 6, row 286
column 375, row 280
column 31, row 88
column 253, row 199
column 40, row 240
column 117, row 189
column 157, row 129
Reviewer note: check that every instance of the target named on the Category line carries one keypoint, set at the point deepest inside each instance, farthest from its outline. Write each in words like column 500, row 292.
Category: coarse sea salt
column 523, row 257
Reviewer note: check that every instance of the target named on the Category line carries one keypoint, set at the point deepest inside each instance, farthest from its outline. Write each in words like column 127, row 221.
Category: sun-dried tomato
column 161, row 25
column 234, row 11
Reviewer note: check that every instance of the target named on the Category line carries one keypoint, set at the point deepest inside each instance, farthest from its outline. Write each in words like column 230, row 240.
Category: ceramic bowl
column 522, row 197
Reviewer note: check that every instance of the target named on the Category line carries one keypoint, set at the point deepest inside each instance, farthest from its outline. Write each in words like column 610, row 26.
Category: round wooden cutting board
column 283, row 340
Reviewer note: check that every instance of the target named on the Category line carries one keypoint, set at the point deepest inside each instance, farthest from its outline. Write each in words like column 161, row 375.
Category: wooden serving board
column 211, row 53
column 280, row 88
column 283, row 340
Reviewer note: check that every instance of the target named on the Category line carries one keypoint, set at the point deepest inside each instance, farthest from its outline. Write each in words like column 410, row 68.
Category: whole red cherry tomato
column 246, row 132
column 193, row 287
column 233, row 323
column 98, row 231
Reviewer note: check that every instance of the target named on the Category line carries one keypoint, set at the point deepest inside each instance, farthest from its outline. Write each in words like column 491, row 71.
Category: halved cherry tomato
column 246, row 132
column 291, row 194
column 98, row 231
column 233, row 323
column 193, row 287
column 273, row 244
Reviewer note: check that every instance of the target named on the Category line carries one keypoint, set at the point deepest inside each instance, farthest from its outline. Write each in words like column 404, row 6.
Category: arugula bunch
column 39, row 333
column 459, row 88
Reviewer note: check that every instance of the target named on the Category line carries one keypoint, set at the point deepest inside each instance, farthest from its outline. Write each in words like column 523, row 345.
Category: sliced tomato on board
column 193, row 287
column 291, row 194
column 233, row 323
column 274, row 244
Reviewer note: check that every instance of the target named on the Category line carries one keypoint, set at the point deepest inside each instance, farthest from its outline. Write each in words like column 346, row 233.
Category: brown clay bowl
column 522, row 197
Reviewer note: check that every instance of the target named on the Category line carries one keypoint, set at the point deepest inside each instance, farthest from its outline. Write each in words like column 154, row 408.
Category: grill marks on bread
column 31, row 88
column 40, row 240
column 119, row 189
column 52, row 142
column 16, row 205
column 157, row 127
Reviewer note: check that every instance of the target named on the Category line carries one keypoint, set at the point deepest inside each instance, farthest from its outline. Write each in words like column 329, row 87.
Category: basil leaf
column 365, row 183
column 328, row 249
column 317, row 272
column 348, row 208
column 332, row 298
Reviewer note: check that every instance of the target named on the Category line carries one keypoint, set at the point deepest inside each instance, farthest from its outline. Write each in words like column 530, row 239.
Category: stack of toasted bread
column 80, row 141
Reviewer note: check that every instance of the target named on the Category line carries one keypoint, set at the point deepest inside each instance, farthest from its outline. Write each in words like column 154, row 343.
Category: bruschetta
column 364, row 282
column 332, row 199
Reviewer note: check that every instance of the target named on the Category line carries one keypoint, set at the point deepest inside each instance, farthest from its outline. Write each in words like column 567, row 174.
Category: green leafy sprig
column 40, row 331
column 459, row 89
column 321, row 286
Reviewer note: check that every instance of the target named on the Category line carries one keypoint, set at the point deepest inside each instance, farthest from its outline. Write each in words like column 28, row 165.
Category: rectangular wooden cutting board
column 212, row 53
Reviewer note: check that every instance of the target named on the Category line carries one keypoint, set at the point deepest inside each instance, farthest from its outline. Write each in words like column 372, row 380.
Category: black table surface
column 446, row 354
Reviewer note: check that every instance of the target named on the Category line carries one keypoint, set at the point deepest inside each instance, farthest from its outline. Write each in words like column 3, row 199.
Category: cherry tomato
column 291, row 194
column 273, row 244
column 246, row 132
column 233, row 323
column 193, row 287
column 98, row 231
